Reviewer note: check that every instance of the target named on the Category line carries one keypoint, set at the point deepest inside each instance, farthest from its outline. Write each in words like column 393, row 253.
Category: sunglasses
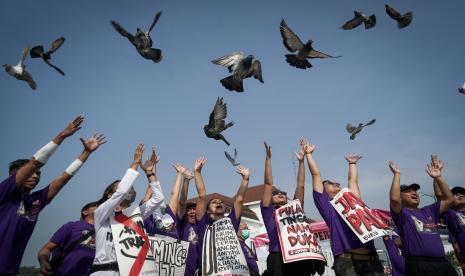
column 279, row 193
column 217, row 201
column 331, row 183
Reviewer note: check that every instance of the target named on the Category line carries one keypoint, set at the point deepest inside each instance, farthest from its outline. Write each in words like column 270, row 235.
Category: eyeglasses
column 279, row 193
column 459, row 196
column 217, row 201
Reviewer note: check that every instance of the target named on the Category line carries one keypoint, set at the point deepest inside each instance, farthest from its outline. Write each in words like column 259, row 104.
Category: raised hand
column 433, row 171
column 243, row 171
column 306, row 147
column 268, row 150
column 93, row 143
column 394, row 168
column 300, row 155
column 74, row 126
column 180, row 169
column 352, row 158
column 199, row 164
column 436, row 162
column 150, row 164
column 137, row 156
column 188, row 175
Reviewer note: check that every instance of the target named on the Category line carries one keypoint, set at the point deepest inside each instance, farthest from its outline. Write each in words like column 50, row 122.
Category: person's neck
column 410, row 207
column 459, row 208
column 216, row 217
column 25, row 191
column 89, row 220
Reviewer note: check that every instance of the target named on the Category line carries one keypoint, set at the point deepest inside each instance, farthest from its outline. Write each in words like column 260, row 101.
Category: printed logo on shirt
column 31, row 213
column 90, row 241
column 192, row 237
column 426, row 228
column 461, row 218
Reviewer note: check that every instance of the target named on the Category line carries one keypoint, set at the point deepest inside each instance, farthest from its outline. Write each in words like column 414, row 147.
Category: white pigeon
column 19, row 71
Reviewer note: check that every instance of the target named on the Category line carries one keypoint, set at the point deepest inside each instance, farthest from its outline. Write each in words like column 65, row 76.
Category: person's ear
column 85, row 213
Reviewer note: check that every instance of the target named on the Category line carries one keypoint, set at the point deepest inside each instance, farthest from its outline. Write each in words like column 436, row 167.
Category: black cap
column 276, row 192
column 413, row 186
column 458, row 190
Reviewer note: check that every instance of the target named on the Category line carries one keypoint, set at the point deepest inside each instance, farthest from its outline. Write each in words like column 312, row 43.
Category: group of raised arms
column 211, row 229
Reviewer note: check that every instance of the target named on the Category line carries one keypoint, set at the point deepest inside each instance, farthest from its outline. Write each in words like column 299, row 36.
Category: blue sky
column 407, row 79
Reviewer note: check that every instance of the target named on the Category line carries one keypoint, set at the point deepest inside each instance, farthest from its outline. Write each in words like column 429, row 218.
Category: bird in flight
column 38, row 52
column 216, row 122
column 354, row 130
column 19, row 71
column 231, row 159
column 359, row 18
column 403, row 20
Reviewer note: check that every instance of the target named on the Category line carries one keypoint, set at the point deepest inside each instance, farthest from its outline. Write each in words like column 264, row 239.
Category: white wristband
column 74, row 167
column 45, row 152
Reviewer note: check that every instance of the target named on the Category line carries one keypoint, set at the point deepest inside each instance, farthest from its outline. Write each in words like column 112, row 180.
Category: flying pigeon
column 462, row 89
column 403, row 20
column 142, row 40
column 216, row 123
column 38, row 51
column 232, row 160
column 304, row 51
column 354, row 130
column 19, row 71
column 240, row 68
column 359, row 18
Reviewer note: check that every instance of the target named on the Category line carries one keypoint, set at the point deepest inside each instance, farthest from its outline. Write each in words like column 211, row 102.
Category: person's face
column 279, row 199
column 191, row 215
column 216, row 207
column 459, row 199
column 32, row 181
column 242, row 226
column 410, row 198
column 331, row 188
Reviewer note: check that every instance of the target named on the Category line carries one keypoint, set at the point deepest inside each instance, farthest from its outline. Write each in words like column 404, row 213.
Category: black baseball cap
column 458, row 190
column 413, row 186
column 277, row 192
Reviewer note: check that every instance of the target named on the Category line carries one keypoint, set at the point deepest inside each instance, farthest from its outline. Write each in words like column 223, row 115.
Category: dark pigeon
column 462, row 89
column 403, row 20
column 354, row 130
column 142, row 40
column 216, row 122
column 304, row 51
column 19, row 71
column 231, row 159
column 359, row 18
column 38, row 52
column 240, row 68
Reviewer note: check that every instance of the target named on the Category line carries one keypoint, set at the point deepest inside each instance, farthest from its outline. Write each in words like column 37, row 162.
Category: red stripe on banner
column 139, row 262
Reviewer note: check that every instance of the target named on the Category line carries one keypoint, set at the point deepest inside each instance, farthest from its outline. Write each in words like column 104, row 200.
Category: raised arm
column 316, row 177
column 239, row 198
column 434, row 171
column 90, row 145
column 438, row 163
column 268, row 181
column 202, row 203
column 187, row 176
column 150, row 169
column 353, row 173
column 41, row 157
column 300, row 187
column 174, row 199
column 394, row 194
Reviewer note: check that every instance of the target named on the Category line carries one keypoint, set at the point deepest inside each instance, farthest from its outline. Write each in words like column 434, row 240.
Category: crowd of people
column 86, row 246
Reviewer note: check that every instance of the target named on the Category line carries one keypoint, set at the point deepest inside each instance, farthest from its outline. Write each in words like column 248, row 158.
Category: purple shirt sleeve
column 323, row 205
column 61, row 236
column 7, row 187
column 234, row 220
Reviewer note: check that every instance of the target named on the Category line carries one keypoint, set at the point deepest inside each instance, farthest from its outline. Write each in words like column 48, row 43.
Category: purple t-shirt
column 249, row 257
column 152, row 229
column 397, row 261
column 270, row 225
column 19, row 215
column 342, row 237
column 455, row 221
column 79, row 260
column 189, row 233
column 419, row 231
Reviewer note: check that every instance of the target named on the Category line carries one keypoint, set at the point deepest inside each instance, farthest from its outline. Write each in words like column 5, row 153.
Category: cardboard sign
column 320, row 230
column 169, row 255
column 366, row 224
column 131, row 243
column 221, row 252
column 295, row 236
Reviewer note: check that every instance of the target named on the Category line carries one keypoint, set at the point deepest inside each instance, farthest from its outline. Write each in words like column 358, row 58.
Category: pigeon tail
column 297, row 62
column 224, row 139
column 228, row 125
column 37, row 51
column 233, row 84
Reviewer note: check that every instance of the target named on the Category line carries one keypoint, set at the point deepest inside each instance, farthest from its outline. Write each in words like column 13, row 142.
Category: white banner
column 295, row 236
column 365, row 223
column 131, row 243
column 222, row 254
column 169, row 255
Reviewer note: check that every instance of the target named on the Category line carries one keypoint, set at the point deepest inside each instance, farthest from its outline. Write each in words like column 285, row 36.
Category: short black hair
column 15, row 165
column 87, row 206
column 108, row 190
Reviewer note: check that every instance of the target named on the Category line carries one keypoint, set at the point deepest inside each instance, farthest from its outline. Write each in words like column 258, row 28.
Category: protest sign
column 169, row 255
column 221, row 252
column 131, row 243
column 320, row 230
column 295, row 236
column 364, row 222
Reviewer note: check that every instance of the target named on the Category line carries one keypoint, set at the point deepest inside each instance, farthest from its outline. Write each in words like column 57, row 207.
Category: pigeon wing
column 229, row 60
column 317, row 54
column 28, row 78
column 230, row 159
column 54, row 67
column 392, row 13
column 354, row 22
column 290, row 39
column 56, row 44
column 123, row 32
column 406, row 20
column 370, row 122
column 350, row 128
column 256, row 71
column 155, row 20
column 23, row 55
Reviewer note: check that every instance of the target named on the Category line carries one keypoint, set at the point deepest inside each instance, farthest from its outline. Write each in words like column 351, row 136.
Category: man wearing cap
column 351, row 256
column 421, row 242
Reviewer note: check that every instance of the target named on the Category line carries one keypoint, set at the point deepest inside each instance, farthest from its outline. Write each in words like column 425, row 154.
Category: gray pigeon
column 462, row 89
column 232, row 160
column 354, row 130
column 142, row 40
column 38, row 51
column 359, row 18
column 240, row 68
column 19, row 71
column 216, row 122
column 304, row 51
column 403, row 20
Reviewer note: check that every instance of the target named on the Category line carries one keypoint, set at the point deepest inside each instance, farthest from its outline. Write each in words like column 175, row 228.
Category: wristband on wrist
column 74, row 167
column 45, row 152
column 150, row 174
